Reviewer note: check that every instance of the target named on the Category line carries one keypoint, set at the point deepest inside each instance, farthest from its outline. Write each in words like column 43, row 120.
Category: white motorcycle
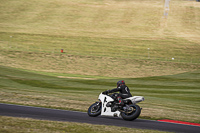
column 106, row 106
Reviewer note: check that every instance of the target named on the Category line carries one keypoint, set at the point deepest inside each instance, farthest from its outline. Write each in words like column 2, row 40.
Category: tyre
column 95, row 109
column 136, row 110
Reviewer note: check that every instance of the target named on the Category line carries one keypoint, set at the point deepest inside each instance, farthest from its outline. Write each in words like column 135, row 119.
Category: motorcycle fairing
column 106, row 111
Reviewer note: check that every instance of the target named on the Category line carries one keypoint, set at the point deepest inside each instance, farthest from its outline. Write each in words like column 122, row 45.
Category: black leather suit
column 123, row 90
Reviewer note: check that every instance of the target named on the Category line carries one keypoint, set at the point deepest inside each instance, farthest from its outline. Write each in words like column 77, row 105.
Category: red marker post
column 61, row 50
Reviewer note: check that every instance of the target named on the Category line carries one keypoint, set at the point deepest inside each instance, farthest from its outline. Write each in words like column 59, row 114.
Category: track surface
column 71, row 116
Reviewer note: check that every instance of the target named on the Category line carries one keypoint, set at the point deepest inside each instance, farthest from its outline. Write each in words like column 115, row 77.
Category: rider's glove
column 106, row 92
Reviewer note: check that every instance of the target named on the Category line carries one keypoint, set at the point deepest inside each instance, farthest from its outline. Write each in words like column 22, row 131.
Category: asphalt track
column 81, row 117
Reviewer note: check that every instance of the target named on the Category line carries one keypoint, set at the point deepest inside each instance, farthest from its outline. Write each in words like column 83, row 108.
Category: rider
column 124, row 92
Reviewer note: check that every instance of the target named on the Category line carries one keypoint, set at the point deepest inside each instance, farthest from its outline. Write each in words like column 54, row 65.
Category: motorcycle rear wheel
column 133, row 115
column 94, row 110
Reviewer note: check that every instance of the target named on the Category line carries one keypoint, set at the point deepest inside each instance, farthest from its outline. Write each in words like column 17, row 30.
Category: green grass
column 172, row 97
column 163, row 49
column 92, row 65
column 33, row 42
column 9, row 125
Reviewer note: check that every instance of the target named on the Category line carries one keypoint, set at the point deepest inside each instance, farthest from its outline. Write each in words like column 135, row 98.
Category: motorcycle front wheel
column 132, row 115
column 94, row 110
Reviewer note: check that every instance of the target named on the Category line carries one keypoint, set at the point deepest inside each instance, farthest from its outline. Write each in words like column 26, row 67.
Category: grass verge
column 24, row 125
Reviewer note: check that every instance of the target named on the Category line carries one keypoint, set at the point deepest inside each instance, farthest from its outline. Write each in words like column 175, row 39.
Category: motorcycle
column 106, row 106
